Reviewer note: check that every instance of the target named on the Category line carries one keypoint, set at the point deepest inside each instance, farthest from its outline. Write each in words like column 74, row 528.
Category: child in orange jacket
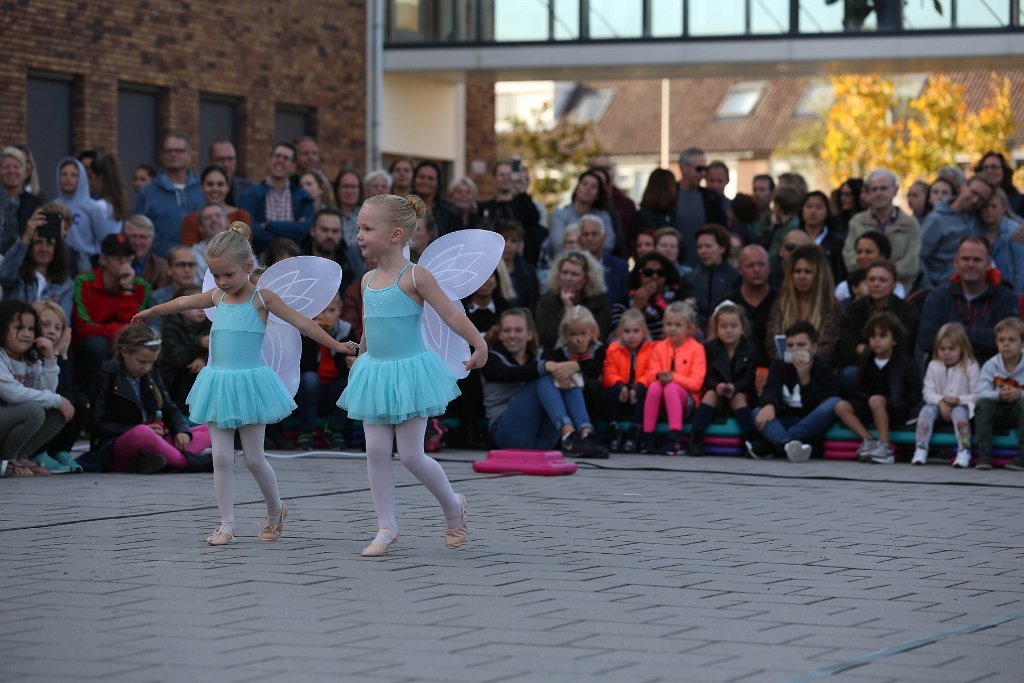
column 675, row 374
column 625, row 365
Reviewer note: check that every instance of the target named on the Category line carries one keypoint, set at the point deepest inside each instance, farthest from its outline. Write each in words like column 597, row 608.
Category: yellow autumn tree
column 991, row 126
column 859, row 132
column 930, row 135
column 867, row 126
column 554, row 155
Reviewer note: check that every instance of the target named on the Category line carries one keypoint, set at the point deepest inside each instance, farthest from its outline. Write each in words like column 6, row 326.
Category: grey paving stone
column 713, row 570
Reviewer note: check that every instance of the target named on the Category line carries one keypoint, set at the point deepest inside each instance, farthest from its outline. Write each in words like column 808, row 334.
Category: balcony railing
column 485, row 22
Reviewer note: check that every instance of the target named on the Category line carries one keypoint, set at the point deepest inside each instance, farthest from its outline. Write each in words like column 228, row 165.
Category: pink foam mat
column 539, row 463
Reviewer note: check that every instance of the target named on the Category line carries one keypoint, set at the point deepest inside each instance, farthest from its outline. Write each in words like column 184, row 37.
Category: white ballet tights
column 409, row 436
column 223, row 442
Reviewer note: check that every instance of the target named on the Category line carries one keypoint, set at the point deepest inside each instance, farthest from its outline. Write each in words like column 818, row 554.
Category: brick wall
column 293, row 52
column 481, row 142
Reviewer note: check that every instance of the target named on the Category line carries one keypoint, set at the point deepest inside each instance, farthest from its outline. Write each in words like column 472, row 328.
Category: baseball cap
column 116, row 244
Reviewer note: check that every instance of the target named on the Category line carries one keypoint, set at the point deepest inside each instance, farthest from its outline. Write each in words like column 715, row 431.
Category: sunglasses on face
column 700, row 169
column 653, row 272
column 788, row 246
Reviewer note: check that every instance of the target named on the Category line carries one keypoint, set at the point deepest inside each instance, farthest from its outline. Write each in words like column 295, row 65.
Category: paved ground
column 717, row 569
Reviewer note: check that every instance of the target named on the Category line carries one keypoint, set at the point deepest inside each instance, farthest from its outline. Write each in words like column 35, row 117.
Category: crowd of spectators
column 788, row 308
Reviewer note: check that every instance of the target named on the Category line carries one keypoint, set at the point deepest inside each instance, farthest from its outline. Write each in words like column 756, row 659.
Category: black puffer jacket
column 116, row 409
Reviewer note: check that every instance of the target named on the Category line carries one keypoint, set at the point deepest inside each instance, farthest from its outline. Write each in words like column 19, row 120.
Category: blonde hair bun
column 241, row 227
column 417, row 205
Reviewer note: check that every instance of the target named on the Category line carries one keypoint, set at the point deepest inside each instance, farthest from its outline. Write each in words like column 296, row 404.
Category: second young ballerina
column 397, row 383
column 236, row 390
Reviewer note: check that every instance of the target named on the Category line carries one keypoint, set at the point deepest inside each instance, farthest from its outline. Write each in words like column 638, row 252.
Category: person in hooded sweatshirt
column 88, row 224
column 173, row 194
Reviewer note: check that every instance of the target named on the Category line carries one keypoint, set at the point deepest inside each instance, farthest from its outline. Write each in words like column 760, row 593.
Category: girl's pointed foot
column 453, row 538
column 380, row 545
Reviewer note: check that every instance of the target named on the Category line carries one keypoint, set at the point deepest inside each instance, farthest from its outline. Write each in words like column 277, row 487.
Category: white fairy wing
column 282, row 350
column 461, row 262
column 209, row 284
column 306, row 283
column 443, row 341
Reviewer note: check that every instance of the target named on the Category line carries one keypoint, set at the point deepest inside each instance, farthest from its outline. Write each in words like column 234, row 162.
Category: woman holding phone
column 36, row 267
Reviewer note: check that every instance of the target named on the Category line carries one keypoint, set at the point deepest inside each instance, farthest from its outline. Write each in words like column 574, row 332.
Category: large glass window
column 817, row 17
column 218, row 120
column 49, row 124
column 982, row 14
column 717, row 18
column 567, row 19
column 517, row 21
column 138, row 128
column 666, row 18
column 769, row 16
column 616, row 19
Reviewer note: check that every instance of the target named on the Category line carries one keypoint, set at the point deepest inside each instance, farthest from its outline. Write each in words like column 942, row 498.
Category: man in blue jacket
column 172, row 195
column 945, row 227
column 277, row 210
column 968, row 298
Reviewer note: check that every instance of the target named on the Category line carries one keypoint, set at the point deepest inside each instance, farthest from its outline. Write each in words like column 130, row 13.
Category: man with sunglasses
column 695, row 205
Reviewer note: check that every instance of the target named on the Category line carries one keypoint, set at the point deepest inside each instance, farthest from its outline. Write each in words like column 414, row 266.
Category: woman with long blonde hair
column 807, row 293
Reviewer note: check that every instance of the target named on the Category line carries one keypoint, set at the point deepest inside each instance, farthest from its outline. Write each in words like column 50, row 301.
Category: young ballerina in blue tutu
column 236, row 390
column 397, row 382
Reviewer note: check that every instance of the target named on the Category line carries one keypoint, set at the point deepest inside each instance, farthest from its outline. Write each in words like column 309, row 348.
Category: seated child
column 323, row 376
column 54, row 325
column 675, row 376
column 887, row 389
column 999, row 394
column 185, row 348
column 625, row 365
column 31, row 410
column 732, row 362
column 799, row 399
column 950, row 389
column 577, row 344
column 135, row 425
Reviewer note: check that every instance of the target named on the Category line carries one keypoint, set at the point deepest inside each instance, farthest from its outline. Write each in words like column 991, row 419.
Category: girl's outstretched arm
column 182, row 303
column 452, row 314
column 303, row 324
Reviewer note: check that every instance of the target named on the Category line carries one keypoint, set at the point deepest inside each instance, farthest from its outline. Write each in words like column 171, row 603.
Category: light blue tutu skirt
column 233, row 398
column 393, row 391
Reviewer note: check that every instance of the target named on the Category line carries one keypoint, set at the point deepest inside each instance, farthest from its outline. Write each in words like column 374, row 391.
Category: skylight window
column 817, row 98
column 741, row 100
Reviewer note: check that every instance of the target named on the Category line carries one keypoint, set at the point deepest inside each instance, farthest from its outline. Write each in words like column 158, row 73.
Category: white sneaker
column 920, row 457
column 963, row 459
column 797, row 452
column 867, row 447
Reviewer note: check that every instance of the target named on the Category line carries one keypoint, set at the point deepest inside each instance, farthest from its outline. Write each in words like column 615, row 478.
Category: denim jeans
column 535, row 417
column 313, row 398
column 795, row 428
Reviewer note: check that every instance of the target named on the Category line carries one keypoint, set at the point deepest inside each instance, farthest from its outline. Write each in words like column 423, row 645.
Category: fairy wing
column 209, row 284
column 306, row 283
column 461, row 262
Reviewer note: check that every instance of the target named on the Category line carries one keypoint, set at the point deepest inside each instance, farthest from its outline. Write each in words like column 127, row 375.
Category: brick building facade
column 261, row 57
